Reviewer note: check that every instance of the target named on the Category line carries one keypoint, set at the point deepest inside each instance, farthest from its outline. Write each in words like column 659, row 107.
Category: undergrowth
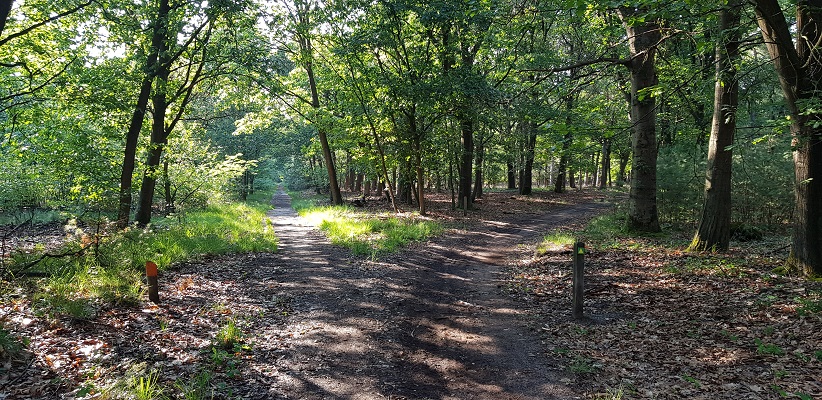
column 106, row 265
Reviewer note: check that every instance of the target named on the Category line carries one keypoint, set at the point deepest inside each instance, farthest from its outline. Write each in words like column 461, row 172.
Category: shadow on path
column 428, row 323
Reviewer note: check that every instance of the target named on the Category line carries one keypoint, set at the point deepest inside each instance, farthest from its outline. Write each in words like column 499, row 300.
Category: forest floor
column 471, row 314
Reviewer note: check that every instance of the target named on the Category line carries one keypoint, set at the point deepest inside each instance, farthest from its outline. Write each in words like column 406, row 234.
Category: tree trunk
column 526, row 184
column 5, row 9
column 466, row 160
column 138, row 117
column 158, row 127
column 605, row 168
column 308, row 52
column 642, row 40
column 512, row 175
column 715, row 224
column 420, row 178
column 158, row 141
column 478, row 175
column 800, row 76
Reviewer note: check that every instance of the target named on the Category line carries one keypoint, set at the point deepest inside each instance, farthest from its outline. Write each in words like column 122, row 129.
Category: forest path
column 428, row 323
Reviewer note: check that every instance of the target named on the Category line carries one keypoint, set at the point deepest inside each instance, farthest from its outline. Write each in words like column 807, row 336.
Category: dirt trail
column 429, row 323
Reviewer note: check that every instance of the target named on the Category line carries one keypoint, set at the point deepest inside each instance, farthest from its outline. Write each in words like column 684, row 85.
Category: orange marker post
column 153, row 285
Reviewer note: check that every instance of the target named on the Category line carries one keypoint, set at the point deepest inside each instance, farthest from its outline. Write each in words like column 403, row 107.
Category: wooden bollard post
column 153, row 285
column 579, row 278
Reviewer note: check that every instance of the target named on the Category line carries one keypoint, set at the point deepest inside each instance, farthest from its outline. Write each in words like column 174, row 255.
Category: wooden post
column 153, row 286
column 579, row 281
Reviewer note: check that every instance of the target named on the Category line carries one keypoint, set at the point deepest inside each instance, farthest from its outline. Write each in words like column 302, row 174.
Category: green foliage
column 364, row 234
column 768, row 348
column 581, row 365
column 555, row 241
column 808, row 305
column 229, row 335
column 111, row 271
column 762, row 186
column 692, row 381
column 10, row 345
column 197, row 388
column 147, row 387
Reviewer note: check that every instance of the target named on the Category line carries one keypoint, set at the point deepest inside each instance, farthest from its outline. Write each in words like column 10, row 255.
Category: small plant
column 818, row 355
column 729, row 335
column 197, row 388
column 809, row 305
column 581, row 365
column 781, row 373
column 147, row 387
column 692, row 381
column 611, row 394
column 229, row 335
column 219, row 356
column 9, row 345
column 768, row 348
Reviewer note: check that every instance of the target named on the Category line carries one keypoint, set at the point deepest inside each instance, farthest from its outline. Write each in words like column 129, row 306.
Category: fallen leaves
column 667, row 324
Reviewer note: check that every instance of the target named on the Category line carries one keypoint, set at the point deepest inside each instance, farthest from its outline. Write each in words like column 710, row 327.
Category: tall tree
column 798, row 64
column 643, row 38
column 194, row 55
column 715, row 224
column 159, row 29
column 302, row 21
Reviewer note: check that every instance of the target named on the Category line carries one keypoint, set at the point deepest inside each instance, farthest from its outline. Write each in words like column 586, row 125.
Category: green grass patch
column 363, row 233
column 112, row 270
column 556, row 241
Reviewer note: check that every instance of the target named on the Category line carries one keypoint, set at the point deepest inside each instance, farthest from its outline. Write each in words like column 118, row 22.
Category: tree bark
column 605, row 168
column 478, row 165
column 5, row 9
column 138, row 117
column 800, row 75
column 714, row 228
column 642, row 40
column 308, row 56
column 162, row 71
column 526, row 184
column 466, row 160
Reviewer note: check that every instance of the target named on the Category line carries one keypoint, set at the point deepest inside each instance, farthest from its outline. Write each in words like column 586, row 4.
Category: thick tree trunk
column 800, row 75
column 642, row 40
column 715, row 224
column 130, row 153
